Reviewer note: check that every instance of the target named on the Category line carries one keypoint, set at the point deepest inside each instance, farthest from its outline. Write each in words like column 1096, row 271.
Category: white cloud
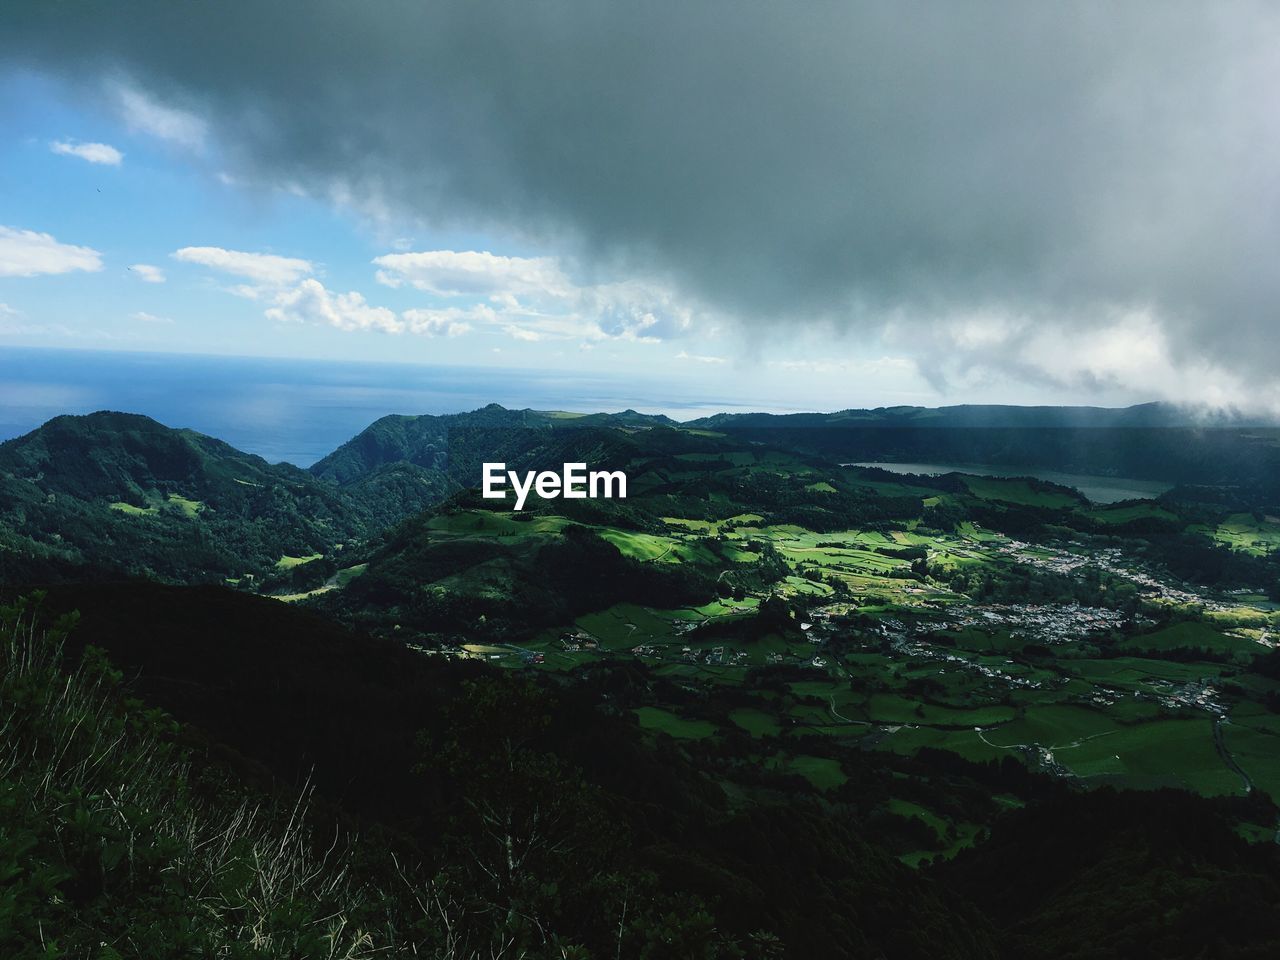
column 142, row 114
column 978, row 331
column 527, row 299
column 148, row 273
column 530, row 326
column 1124, row 353
column 25, row 253
column 527, row 334
column 449, row 273
column 534, row 299
column 1134, row 351
column 636, row 311
column 310, row 302
column 145, row 317
column 682, row 355
column 93, row 152
column 449, row 322
column 265, row 268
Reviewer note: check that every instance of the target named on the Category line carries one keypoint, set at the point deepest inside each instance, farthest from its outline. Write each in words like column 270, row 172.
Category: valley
column 902, row 637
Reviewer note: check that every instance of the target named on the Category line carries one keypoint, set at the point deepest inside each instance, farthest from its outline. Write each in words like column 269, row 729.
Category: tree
column 528, row 832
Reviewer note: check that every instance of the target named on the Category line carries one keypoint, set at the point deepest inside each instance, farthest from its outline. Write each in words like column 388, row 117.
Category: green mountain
column 120, row 494
column 401, row 465
column 427, row 441
column 1147, row 415
column 123, row 493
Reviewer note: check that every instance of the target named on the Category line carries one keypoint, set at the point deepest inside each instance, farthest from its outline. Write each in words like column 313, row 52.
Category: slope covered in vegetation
column 113, row 844
column 123, row 494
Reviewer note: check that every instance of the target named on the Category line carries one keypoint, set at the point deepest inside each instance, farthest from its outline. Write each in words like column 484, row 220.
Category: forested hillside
column 120, row 493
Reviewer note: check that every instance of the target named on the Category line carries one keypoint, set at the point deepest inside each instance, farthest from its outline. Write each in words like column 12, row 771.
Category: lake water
column 300, row 410
column 1097, row 489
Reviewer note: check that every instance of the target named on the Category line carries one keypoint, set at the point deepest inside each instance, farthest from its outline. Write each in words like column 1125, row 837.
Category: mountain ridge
column 1150, row 415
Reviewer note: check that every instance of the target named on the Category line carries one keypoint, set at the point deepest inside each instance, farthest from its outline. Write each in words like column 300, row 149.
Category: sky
column 815, row 206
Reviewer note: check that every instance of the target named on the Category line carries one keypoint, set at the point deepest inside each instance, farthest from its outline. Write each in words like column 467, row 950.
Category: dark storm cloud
column 782, row 161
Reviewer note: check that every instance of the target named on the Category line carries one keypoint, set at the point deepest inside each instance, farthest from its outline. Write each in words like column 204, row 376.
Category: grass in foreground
column 113, row 844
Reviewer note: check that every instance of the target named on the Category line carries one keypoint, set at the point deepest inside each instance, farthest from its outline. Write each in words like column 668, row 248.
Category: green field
column 1128, row 512
column 967, row 743
column 664, row 721
column 1161, row 753
column 288, row 563
column 1192, row 635
column 190, row 508
column 1053, row 725
column 131, row 510
column 892, row 708
column 758, row 723
column 1020, row 492
column 1248, row 533
column 823, row 772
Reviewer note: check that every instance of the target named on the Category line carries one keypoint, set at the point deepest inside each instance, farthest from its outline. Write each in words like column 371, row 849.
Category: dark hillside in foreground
column 289, row 691
column 375, row 727
column 1192, row 888
column 782, row 871
column 114, row 833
